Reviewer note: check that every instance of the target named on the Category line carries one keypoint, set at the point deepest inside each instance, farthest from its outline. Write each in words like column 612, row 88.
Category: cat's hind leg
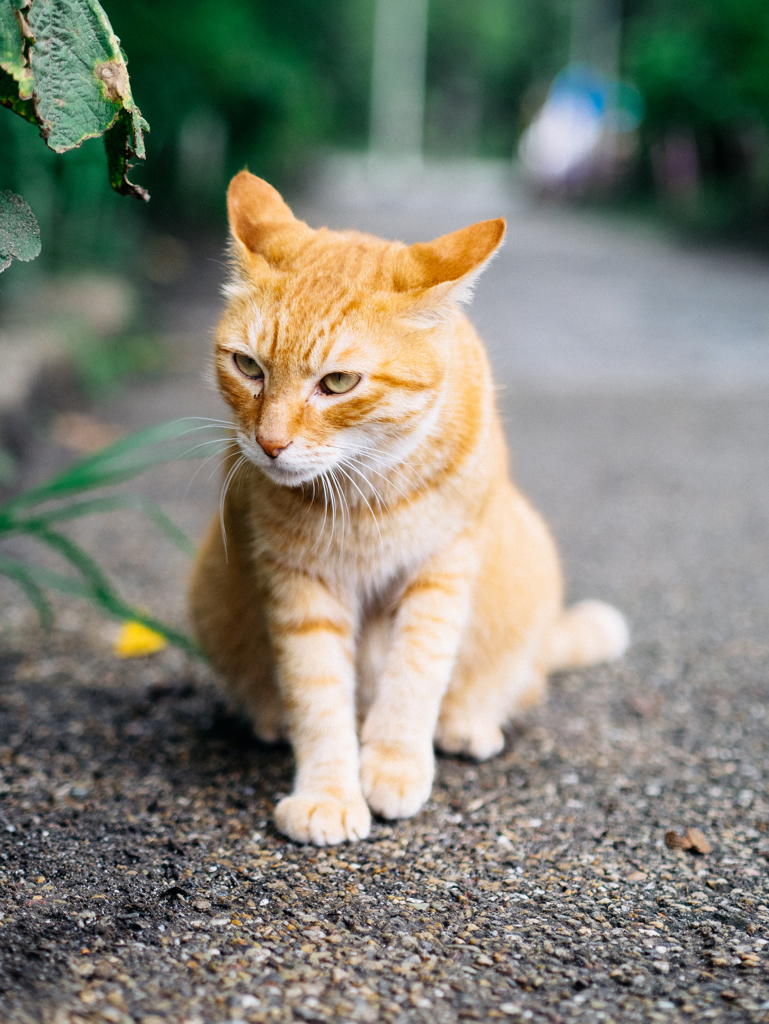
column 481, row 700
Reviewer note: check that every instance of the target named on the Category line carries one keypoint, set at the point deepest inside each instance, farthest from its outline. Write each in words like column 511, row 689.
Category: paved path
column 143, row 879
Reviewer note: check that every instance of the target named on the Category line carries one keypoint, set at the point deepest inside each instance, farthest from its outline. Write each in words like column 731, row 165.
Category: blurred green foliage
column 228, row 83
column 703, row 63
column 102, row 364
column 489, row 65
column 703, row 69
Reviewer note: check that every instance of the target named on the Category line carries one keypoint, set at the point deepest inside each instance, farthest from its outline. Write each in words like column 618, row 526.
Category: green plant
column 38, row 512
column 62, row 68
column 102, row 364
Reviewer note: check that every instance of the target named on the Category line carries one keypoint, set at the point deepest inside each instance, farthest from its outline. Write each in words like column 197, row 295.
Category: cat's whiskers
column 383, row 477
column 343, row 506
column 206, row 421
column 325, row 510
column 380, row 500
column 203, row 444
column 385, row 463
column 330, row 499
column 341, row 469
column 216, row 440
column 218, row 466
column 225, row 451
column 213, row 424
column 225, row 487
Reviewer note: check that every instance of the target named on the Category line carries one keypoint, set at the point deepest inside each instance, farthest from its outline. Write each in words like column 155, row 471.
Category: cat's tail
column 587, row 633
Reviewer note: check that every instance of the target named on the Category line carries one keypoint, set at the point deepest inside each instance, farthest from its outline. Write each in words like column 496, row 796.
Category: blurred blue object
column 575, row 128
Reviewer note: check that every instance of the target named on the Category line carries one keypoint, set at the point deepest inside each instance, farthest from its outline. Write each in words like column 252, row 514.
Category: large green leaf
column 19, row 233
column 81, row 87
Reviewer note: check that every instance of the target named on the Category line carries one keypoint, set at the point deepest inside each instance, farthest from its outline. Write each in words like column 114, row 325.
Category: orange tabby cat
column 380, row 585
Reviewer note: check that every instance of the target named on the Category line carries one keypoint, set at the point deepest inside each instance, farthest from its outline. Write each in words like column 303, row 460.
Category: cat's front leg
column 312, row 634
column 397, row 760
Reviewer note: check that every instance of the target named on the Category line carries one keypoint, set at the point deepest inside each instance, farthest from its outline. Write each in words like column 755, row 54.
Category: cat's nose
column 272, row 448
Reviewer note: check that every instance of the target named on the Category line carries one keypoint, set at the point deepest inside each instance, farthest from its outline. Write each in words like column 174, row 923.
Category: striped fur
column 383, row 587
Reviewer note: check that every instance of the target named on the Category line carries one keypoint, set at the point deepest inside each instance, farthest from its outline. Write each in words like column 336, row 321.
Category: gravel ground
column 141, row 878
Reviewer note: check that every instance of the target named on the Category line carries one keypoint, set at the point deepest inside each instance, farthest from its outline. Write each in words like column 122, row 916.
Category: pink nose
column 272, row 448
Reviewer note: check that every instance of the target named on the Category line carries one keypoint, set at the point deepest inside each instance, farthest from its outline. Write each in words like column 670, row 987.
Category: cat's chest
column 370, row 549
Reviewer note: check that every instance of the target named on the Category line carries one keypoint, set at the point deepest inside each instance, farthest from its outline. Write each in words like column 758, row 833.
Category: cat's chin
column 286, row 476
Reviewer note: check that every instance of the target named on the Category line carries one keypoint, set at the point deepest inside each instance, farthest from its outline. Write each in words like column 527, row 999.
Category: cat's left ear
column 264, row 230
column 448, row 267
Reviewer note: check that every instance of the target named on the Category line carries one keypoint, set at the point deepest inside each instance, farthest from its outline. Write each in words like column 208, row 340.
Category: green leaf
column 125, row 458
column 12, row 58
column 19, row 231
column 80, row 75
column 81, row 84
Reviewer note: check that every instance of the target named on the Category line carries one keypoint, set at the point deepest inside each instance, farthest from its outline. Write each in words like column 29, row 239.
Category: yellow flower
column 136, row 640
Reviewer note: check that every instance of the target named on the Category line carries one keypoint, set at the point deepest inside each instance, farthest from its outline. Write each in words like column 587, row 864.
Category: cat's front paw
column 323, row 819
column 395, row 781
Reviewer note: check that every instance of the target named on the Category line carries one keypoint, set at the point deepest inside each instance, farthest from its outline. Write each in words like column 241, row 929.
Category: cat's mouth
column 281, row 470
column 289, row 476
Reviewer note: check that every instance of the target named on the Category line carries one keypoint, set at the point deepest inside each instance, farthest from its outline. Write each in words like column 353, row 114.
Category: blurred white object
column 575, row 127
column 561, row 138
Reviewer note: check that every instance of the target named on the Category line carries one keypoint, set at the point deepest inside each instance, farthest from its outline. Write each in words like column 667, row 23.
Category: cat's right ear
column 264, row 231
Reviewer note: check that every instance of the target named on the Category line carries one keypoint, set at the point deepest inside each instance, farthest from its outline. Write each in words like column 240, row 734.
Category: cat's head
column 334, row 345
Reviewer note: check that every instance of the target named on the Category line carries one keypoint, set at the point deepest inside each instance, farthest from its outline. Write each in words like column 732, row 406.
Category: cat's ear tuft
column 449, row 266
column 260, row 221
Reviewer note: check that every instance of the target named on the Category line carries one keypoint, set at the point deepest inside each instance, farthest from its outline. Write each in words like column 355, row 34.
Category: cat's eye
column 248, row 366
column 339, row 383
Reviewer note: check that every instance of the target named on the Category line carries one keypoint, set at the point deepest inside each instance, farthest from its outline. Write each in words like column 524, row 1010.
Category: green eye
column 248, row 366
column 339, row 383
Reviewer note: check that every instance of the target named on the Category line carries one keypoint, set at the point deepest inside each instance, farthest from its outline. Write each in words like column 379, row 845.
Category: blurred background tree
column 226, row 83
column 703, row 69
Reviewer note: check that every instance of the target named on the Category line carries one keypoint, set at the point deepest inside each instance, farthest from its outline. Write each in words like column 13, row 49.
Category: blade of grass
column 42, row 577
column 19, row 573
column 109, row 504
column 99, row 589
column 119, row 461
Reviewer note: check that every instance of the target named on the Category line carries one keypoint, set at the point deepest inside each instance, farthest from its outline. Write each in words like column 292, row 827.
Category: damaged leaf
column 81, row 85
column 19, row 231
column 121, row 144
